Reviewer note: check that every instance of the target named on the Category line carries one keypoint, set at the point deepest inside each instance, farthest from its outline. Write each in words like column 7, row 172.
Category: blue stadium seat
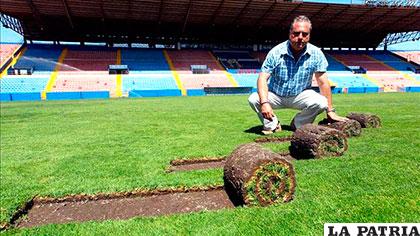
column 43, row 58
column 17, row 84
column 391, row 60
column 148, row 82
column 246, row 80
column 144, row 60
column 343, row 78
column 154, row 93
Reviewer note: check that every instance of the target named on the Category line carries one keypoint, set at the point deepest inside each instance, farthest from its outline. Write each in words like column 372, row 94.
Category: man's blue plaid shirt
column 289, row 78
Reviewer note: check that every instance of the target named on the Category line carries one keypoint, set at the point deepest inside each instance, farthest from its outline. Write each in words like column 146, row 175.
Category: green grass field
column 101, row 146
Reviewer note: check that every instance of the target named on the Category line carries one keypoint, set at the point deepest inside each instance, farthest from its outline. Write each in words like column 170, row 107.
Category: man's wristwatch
column 331, row 110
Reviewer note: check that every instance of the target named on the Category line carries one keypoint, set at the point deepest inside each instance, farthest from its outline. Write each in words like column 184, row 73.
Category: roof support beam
column 289, row 14
column 160, row 12
column 102, row 10
column 36, row 14
column 376, row 22
column 186, row 17
column 216, row 13
column 354, row 21
column 129, row 10
column 241, row 12
column 412, row 21
column 328, row 20
column 103, row 25
column 66, row 8
column 320, row 11
column 258, row 23
column 399, row 19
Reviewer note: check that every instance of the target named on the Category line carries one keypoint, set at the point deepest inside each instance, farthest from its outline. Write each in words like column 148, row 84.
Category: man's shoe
column 267, row 132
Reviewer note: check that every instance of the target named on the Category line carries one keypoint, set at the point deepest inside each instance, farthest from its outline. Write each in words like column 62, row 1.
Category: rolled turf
column 350, row 128
column 256, row 176
column 316, row 141
column 366, row 120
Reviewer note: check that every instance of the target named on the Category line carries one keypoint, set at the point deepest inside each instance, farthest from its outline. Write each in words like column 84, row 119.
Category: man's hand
column 267, row 111
column 332, row 116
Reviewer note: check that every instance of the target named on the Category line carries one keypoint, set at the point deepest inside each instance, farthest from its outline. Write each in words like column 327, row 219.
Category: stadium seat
column 182, row 61
column 43, row 58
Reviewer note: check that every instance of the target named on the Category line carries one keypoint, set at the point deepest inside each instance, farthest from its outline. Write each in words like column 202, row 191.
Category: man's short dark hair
column 301, row 18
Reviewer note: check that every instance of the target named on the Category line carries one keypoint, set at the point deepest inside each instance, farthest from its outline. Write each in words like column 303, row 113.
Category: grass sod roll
column 366, row 120
column 350, row 128
column 316, row 141
column 256, row 176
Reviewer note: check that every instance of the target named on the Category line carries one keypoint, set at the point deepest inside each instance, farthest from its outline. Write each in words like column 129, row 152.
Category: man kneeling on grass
column 289, row 68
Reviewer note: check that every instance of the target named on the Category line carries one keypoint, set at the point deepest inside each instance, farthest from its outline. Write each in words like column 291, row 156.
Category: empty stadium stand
column 260, row 56
column 246, row 80
column 344, row 79
column 20, row 84
column 145, row 61
column 391, row 60
column 6, row 52
column 42, row 58
column 84, row 82
column 80, row 59
column 72, row 70
column 182, row 61
column 410, row 56
column 238, row 61
column 78, row 72
column 148, row 82
column 382, row 69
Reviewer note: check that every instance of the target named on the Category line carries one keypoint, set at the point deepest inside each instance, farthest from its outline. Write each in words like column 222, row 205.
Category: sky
column 9, row 36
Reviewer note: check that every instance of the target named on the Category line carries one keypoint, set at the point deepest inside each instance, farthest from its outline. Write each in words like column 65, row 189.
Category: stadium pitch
column 55, row 149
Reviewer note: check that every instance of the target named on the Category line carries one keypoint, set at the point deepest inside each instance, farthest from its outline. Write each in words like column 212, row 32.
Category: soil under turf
column 273, row 139
column 197, row 166
column 51, row 212
column 218, row 162
column 80, row 208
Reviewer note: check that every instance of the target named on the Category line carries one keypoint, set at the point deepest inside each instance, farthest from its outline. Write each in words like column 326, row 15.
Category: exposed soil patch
column 203, row 164
column 82, row 208
column 196, row 164
column 273, row 139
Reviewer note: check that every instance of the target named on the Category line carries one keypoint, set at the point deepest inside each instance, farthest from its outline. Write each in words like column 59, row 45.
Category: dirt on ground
column 43, row 213
column 197, row 166
column 273, row 139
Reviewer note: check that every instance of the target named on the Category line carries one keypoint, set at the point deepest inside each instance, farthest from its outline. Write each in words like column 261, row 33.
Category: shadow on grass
column 257, row 129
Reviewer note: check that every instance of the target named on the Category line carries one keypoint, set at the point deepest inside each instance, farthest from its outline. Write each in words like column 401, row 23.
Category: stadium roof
column 210, row 21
